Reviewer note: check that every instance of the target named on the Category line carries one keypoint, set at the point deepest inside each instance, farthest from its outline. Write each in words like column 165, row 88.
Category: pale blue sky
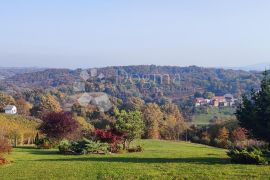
column 85, row 33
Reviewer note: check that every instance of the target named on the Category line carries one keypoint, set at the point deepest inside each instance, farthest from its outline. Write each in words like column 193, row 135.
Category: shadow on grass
column 45, row 152
column 25, row 147
column 194, row 160
column 35, row 151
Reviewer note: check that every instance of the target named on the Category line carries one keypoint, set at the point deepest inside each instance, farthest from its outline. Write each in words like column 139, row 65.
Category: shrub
column 216, row 142
column 5, row 147
column 244, row 156
column 65, row 147
column 83, row 146
column 225, row 144
column 97, row 148
column 111, row 138
column 195, row 139
column 221, row 143
column 3, row 161
column 80, row 147
column 205, row 141
column 43, row 143
column 251, row 144
column 135, row 149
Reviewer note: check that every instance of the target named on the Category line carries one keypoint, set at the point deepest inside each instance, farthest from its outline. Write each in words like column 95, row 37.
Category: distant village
column 217, row 101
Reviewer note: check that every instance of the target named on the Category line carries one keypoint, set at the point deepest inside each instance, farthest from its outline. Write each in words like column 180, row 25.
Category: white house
column 10, row 109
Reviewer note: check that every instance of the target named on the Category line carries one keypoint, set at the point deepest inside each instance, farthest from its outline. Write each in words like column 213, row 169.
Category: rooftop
column 9, row 107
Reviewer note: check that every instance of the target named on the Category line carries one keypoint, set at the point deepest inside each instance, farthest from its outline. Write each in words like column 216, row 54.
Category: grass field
column 160, row 160
column 212, row 112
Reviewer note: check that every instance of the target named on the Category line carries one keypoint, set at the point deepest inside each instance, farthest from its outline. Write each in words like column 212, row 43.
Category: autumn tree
column 152, row 116
column 223, row 134
column 173, row 124
column 239, row 134
column 134, row 104
column 47, row 104
column 60, row 125
column 6, row 100
column 23, row 107
column 86, row 127
column 130, row 124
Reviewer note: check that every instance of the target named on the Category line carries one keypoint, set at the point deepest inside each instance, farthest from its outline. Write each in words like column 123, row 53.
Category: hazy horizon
column 66, row 34
column 259, row 66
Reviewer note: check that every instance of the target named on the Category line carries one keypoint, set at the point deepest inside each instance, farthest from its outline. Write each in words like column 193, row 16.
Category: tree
column 152, row 116
column 239, row 134
column 86, row 127
column 130, row 124
column 208, row 95
column 254, row 111
column 6, row 100
column 60, row 125
column 47, row 104
column 223, row 134
column 173, row 123
column 23, row 107
column 134, row 104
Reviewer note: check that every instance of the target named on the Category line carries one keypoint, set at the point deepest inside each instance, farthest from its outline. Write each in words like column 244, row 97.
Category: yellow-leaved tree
column 152, row 117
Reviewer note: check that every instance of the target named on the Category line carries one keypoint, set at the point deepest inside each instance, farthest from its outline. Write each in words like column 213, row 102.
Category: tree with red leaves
column 239, row 134
column 60, row 125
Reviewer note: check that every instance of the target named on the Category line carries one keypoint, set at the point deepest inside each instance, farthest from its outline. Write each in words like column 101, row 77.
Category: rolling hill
column 173, row 82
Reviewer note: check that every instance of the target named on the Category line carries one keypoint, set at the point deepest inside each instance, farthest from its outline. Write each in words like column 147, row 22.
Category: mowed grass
column 160, row 160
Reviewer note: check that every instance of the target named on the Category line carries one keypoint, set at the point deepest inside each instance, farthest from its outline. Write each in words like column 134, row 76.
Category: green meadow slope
column 160, row 160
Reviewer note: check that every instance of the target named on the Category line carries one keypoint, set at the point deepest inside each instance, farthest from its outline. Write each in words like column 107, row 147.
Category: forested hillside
column 9, row 72
column 145, row 81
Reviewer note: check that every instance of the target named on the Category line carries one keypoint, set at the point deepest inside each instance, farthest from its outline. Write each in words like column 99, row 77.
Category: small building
column 230, row 99
column 200, row 102
column 227, row 100
column 10, row 109
column 218, row 101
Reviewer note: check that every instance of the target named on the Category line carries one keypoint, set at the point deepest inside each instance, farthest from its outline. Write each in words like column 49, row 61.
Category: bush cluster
column 247, row 156
column 83, row 146
column 213, row 142
column 113, row 139
column 135, row 149
column 43, row 143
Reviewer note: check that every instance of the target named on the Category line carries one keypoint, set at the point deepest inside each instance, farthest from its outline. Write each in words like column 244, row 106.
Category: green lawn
column 160, row 160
